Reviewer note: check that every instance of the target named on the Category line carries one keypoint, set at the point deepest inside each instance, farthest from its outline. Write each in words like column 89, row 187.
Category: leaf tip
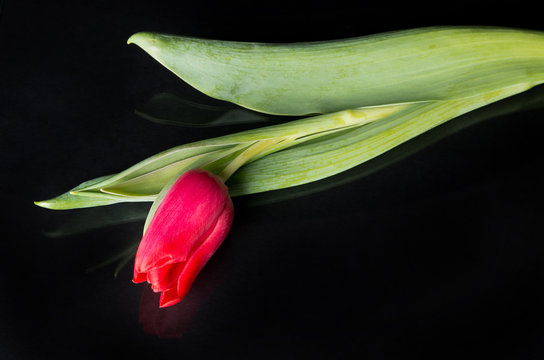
column 43, row 203
column 131, row 39
column 143, row 39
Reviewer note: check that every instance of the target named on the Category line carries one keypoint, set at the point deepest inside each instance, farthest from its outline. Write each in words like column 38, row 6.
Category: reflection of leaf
column 170, row 109
column 122, row 258
column 87, row 220
column 97, row 218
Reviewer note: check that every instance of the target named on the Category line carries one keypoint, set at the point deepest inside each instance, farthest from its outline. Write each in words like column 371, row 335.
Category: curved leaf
column 437, row 63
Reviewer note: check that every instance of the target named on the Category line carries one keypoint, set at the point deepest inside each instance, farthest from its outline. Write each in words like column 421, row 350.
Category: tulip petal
column 189, row 225
column 164, row 277
column 200, row 256
column 169, row 297
column 139, row 277
column 190, row 208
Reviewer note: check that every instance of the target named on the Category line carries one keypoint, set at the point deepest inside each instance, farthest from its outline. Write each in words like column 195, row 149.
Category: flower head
column 189, row 225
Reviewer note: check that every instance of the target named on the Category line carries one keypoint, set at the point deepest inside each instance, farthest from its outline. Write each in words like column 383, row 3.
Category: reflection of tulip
column 169, row 322
column 175, row 321
column 191, row 222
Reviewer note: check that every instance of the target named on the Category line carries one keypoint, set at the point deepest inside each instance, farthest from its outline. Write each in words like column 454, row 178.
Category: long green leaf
column 437, row 63
column 414, row 80
column 326, row 157
column 143, row 181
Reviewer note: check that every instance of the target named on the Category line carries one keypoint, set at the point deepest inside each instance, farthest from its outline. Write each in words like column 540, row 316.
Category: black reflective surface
column 434, row 250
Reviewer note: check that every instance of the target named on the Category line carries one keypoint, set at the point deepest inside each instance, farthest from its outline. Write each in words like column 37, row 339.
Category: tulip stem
column 337, row 121
column 251, row 152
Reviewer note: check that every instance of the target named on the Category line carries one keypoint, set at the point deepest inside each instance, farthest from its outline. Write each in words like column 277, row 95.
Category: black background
column 436, row 255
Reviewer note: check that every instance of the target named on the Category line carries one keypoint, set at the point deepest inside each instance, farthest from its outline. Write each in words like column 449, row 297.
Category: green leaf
column 143, row 181
column 179, row 154
column 389, row 87
column 329, row 156
column 69, row 201
column 437, row 63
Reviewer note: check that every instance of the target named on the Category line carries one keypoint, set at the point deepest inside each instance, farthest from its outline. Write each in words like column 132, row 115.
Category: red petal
column 200, row 256
column 164, row 277
column 139, row 277
column 186, row 213
column 189, row 225
column 169, row 297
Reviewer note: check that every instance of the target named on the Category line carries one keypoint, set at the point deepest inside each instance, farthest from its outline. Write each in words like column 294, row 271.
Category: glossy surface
column 434, row 250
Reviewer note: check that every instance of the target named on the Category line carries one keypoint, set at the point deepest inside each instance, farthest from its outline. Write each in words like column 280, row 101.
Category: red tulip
column 191, row 222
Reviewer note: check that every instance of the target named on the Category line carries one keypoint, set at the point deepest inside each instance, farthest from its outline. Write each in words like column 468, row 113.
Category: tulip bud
column 189, row 225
